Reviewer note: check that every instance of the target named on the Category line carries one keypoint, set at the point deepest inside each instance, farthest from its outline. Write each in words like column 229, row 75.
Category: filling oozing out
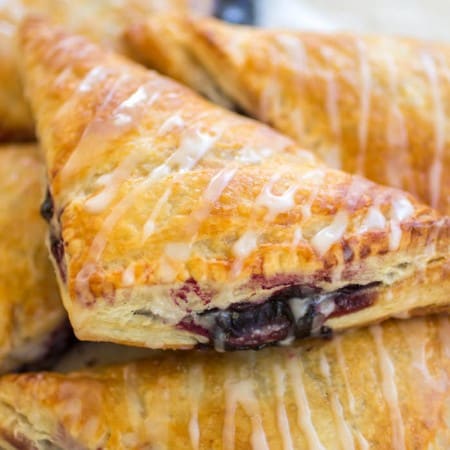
column 52, row 349
column 294, row 312
column 56, row 241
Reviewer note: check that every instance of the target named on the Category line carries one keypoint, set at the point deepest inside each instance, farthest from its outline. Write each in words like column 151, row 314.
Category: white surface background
column 428, row 19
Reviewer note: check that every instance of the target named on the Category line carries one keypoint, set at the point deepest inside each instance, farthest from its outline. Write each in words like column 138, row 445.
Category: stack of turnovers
column 33, row 324
column 386, row 387
column 373, row 105
column 175, row 223
column 101, row 20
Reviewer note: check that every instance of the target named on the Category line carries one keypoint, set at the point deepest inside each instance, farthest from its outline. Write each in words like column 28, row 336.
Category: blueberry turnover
column 377, row 106
column 33, row 324
column 386, row 387
column 177, row 223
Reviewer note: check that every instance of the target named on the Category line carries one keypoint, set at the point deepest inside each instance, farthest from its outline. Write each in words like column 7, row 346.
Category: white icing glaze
column 365, row 93
column 69, row 41
column 250, row 155
column 140, row 95
column 242, row 248
column 298, row 307
column 297, row 237
column 276, row 203
column 174, row 121
column 282, row 417
column 294, row 49
column 212, row 193
column 166, row 271
column 150, row 225
column 401, row 209
column 396, row 130
column 92, row 78
column 317, row 177
column 331, row 234
column 327, row 306
column 362, row 441
column 135, row 407
column 416, row 335
column 103, row 129
column 242, row 392
column 435, row 174
column 82, row 282
column 295, row 370
column 389, row 389
column 178, row 251
column 218, row 184
column 128, row 275
column 111, row 183
column 333, row 157
column 192, row 149
column 6, row 28
column 268, row 100
column 196, row 387
column 374, row 220
column 343, row 369
column 344, row 432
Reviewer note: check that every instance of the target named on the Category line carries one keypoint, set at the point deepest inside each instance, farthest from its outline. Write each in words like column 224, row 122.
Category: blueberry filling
column 57, row 250
column 295, row 312
column 53, row 348
column 47, row 207
column 56, row 241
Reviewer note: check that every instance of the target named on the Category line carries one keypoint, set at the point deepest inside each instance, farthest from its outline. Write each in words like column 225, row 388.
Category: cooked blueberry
column 47, row 207
column 252, row 326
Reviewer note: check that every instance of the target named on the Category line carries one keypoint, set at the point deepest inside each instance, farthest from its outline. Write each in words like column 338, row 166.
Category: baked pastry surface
column 374, row 105
column 101, row 20
column 176, row 223
column 32, row 318
column 382, row 388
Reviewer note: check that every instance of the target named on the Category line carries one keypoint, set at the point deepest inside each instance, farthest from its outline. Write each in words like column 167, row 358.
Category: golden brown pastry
column 177, row 223
column 373, row 105
column 32, row 319
column 383, row 388
column 102, row 20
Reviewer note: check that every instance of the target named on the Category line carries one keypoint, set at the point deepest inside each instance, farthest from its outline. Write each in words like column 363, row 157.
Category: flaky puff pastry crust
column 101, row 20
column 32, row 317
column 168, row 210
column 381, row 388
column 374, row 105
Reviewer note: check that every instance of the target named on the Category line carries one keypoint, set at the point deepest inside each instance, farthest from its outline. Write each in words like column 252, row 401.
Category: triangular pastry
column 381, row 388
column 33, row 323
column 179, row 223
column 374, row 105
column 102, row 20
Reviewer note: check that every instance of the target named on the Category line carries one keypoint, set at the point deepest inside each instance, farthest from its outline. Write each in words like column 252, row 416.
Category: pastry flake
column 377, row 106
column 379, row 388
column 176, row 223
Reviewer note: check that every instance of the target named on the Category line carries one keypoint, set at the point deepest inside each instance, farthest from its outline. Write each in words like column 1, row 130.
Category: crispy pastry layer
column 386, row 387
column 32, row 318
column 174, row 222
column 101, row 20
column 373, row 105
